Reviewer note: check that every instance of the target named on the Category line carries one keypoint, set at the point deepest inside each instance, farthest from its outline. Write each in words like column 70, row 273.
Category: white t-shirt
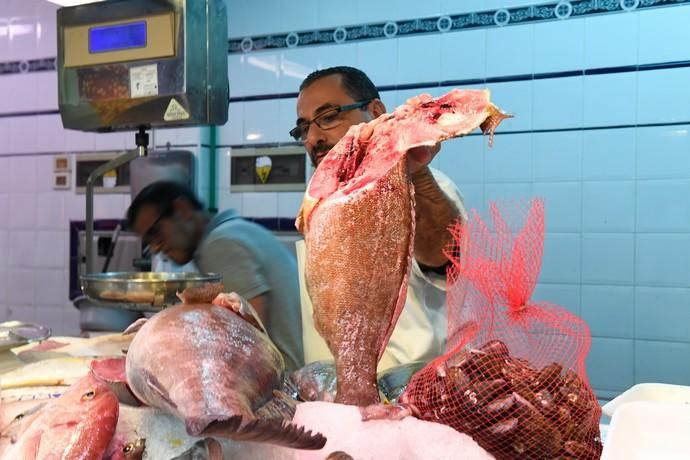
column 420, row 333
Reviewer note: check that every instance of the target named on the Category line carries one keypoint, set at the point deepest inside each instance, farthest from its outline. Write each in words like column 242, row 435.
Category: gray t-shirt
column 252, row 261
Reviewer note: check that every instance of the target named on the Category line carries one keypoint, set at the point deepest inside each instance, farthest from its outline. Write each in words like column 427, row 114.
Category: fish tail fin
column 274, row 431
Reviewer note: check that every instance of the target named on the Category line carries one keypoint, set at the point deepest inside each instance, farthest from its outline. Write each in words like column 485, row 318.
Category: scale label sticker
column 143, row 80
column 175, row 111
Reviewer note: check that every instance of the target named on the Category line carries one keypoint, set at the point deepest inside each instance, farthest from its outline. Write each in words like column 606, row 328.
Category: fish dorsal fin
column 236, row 303
column 273, row 431
column 135, row 326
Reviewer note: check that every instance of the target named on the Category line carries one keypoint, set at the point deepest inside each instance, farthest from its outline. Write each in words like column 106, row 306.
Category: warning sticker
column 175, row 111
column 143, row 80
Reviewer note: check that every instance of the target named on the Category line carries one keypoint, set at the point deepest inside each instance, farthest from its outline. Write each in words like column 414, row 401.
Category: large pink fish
column 77, row 425
column 358, row 222
column 212, row 365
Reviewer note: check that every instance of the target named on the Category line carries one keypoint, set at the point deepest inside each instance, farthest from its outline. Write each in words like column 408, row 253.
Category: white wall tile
column 261, row 119
column 559, row 45
column 53, row 289
column 20, row 134
column 663, row 96
column 563, row 205
column 472, row 196
column 4, row 251
column 5, row 208
column 661, row 206
column 224, row 163
column 663, row 362
column 50, row 316
column 238, row 24
column 23, row 287
column 516, row 99
column 227, row 200
column 608, row 258
column 46, row 91
column 261, row 74
column 667, row 26
column 337, row 55
column 300, row 15
column 561, row 262
column 608, row 206
column 70, row 322
column 410, row 50
column 334, row 14
column 609, row 310
column 50, row 249
column 23, row 173
column 262, row 18
column 296, row 64
column 610, row 99
column 379, row 60
column 503, row 192
column 463, row 55
column 610, row 40
column 509, row 51
column 506, row 3
column 256, row 204
column 563, row 295
column 108, row 206
column 558, row 103
column 662, row 259
column 609, row 154
column 610, row 364
column 662, row 313
column 466, row 6
column 19, row 312
column 288, row 117
column 510, row 159
column 22, row 249
column 23, row 213
column 46, row 28
column 662, row 152
column 557, row 156
column 5, row 133
column 463, row 159
column 289, row 203
column 18, row 92
column 232, row 132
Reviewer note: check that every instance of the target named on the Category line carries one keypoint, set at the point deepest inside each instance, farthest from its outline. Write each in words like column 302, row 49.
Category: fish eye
column 88, row 395
column 129, row 447
column 19, row 416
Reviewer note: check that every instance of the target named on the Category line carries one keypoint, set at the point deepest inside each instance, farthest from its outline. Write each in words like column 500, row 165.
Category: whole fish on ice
column 78, row 425
column 212, row 365
column 358, row 222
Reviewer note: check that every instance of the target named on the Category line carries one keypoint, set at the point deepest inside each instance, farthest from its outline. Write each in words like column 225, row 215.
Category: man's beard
column 318, row 153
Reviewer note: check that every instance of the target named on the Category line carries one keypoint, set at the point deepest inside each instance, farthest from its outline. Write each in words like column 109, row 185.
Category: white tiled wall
column 618, row 238
column 618, row 221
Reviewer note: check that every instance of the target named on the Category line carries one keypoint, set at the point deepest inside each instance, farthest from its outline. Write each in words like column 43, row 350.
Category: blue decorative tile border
column 32, row 65
column 501, row 17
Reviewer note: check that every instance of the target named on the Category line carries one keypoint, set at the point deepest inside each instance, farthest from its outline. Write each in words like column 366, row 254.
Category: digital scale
column 131, row 65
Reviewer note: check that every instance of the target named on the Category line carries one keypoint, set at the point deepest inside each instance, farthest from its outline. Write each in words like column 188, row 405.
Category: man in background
column 250, row 260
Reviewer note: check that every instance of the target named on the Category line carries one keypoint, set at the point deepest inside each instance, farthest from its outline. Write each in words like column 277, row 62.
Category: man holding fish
column 329, row 103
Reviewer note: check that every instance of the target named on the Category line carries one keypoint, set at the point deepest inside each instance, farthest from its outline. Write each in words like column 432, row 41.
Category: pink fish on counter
column 212, row 365
column 77, row 425
column 358, row 222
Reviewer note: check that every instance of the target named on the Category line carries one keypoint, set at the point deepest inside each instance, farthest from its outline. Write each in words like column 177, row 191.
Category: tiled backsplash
column 601, row 123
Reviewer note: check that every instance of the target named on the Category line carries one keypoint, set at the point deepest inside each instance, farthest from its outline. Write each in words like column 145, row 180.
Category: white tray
column 645, row 430
column 653, row 392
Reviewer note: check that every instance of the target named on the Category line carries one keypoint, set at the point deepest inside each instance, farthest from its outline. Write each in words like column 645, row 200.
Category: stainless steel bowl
column 144, row 291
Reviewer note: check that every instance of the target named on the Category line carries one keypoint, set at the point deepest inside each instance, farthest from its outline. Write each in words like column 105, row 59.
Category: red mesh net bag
column 513, row 375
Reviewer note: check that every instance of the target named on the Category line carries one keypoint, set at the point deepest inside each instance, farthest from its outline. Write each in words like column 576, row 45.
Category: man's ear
column 376, row 108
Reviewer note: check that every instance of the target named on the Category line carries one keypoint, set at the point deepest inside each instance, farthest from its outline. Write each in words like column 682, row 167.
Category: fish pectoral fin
column 273, row 431
column 135, row 326
column 153, row 383
column 281, row 406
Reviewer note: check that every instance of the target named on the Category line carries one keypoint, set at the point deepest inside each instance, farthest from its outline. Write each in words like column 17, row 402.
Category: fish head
column 126, row 446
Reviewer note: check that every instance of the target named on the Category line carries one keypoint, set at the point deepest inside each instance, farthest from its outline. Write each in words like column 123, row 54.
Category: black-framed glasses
column 326, row 120
column 152, row 234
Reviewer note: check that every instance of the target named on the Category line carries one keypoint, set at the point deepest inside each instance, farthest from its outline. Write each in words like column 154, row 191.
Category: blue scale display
column 117, row 37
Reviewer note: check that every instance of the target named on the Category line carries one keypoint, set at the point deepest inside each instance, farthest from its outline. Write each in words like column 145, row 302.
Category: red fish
column 358, row 222
column 77, row 425
column 213, row 366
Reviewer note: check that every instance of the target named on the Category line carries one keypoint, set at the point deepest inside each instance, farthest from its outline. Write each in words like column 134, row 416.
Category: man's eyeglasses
column 327, row 120
column 151, row 236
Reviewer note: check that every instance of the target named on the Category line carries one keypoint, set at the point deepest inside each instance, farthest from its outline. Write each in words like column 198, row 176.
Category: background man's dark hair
column 355, row 82
column 162, row 195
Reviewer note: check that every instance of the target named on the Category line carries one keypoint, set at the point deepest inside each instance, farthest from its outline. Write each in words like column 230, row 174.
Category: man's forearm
column 434, row 212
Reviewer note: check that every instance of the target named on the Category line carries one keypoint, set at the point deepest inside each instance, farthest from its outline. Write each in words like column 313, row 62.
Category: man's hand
column 419, row 157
